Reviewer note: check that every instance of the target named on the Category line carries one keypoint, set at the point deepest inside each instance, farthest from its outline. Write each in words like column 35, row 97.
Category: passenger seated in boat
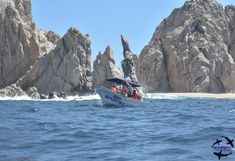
column 114, row 89
column 135, row 95
column 124, row 91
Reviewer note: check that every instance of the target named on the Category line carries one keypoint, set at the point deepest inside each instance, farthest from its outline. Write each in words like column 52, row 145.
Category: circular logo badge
column 222, row 147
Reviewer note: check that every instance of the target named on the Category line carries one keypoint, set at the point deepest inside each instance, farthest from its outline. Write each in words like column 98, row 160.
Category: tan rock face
column 19, row 47
column 32, row 57
column 191, row 50
column 230, row 11
column 66, row 68
column 12, row 91
column 104, row 67
column 128, row 63
column 47, row 40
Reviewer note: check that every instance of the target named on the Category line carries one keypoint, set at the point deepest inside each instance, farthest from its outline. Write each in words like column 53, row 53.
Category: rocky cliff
column 104, row 67
column 230, row 12
column 192, row 50
column 19, row 48
column 128, row 63
column 31, row 57
column 66, row 68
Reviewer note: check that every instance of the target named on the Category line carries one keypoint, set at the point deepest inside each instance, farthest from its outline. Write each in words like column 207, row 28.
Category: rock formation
column 40, row 61
column 230, row 12
column 19, row 47
column 66, row 68
column 104, row 67
column 12, row 91
column 46, row 40
column 192, row 50
column 128, row 64
column 32, row 92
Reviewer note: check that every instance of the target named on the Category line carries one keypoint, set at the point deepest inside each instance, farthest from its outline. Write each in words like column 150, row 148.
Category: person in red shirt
column 135, row 95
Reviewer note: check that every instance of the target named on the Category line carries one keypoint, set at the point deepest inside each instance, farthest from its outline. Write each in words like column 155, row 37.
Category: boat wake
column 161, row 96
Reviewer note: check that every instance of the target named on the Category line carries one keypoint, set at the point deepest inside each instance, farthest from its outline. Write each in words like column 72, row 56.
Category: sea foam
column 90, row 97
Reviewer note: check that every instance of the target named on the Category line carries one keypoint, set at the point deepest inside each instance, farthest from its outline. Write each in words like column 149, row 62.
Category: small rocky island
column 193, row 50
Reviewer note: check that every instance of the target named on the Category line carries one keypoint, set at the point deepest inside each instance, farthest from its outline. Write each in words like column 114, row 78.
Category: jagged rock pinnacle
column 128, row 64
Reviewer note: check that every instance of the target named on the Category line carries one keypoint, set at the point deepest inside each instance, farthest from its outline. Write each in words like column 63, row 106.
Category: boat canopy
column 123, row 82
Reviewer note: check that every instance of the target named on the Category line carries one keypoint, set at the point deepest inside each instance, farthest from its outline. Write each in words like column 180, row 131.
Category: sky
column 106, row 20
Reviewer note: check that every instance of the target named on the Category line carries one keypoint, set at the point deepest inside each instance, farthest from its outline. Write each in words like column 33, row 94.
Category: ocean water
column 170, row 128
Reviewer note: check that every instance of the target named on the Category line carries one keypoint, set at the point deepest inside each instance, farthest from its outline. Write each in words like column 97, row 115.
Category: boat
column 109, row 97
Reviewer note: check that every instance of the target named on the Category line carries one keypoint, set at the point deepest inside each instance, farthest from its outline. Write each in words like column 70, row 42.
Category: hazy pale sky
column 106, row 20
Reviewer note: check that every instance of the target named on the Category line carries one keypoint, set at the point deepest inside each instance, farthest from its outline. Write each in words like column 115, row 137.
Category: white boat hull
column 110, row 98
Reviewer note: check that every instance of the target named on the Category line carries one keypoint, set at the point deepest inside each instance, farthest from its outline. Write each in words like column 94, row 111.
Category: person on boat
column 114, row 89
column 135, row 95
column 124, row 91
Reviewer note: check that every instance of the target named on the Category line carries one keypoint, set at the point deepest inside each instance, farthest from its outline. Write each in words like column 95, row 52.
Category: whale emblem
column 220, row 154
column 230, row 142
column 216, row 142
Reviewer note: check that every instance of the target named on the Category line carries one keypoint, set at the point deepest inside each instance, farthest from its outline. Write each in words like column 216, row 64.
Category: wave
column 89, row 97
column 232, row 111
column 68, row 98
column 17, row 98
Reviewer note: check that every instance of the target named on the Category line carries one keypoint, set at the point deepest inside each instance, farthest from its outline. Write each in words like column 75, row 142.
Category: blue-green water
column 167, row 130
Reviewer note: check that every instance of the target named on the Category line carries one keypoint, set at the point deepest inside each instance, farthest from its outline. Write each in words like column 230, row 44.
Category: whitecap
column 68, row 98
column 233, row 110
column 17, row 98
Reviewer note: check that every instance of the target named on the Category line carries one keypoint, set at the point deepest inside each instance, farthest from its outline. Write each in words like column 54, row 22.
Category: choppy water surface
column 172, row 129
